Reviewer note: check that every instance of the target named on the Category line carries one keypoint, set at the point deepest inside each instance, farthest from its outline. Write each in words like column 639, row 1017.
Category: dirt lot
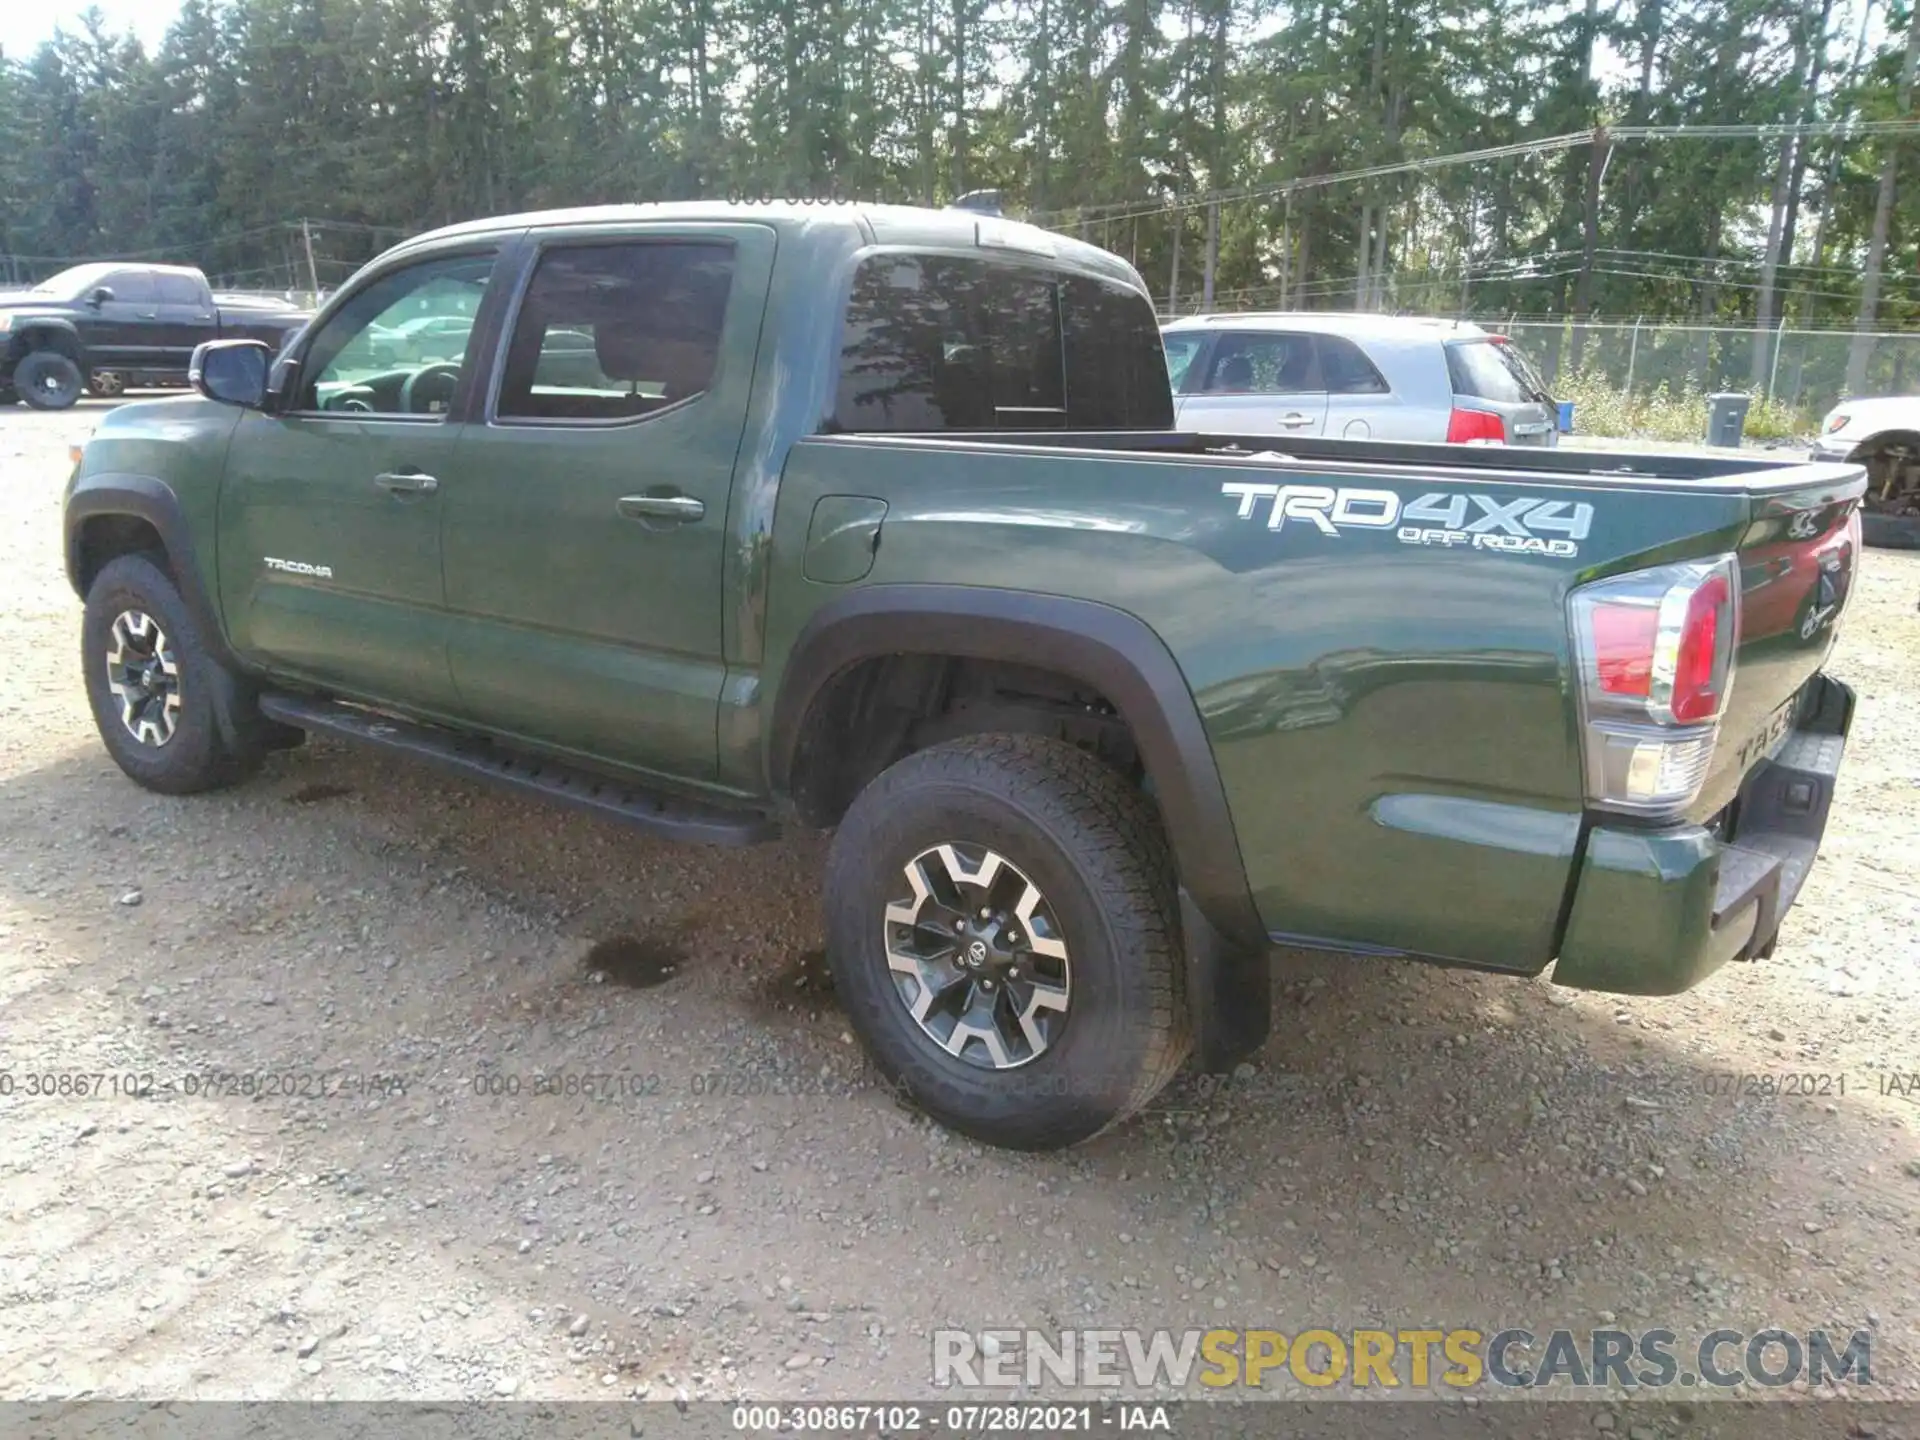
column 1415, row 1146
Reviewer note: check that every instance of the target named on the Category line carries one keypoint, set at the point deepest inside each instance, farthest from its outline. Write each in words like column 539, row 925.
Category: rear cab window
column 944, row 342
column 1486, row 370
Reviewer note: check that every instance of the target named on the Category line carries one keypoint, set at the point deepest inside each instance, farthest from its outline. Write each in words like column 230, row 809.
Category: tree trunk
column 1862, row 349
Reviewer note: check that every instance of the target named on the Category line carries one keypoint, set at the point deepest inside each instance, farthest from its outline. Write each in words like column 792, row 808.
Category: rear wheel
column 1001, row 924
column 107, row 383
column 1890, row 511
column 152, row 682
column 48, row 380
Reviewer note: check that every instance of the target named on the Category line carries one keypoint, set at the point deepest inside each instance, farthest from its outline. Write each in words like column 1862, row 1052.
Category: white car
column 1355, row 377
column 1884, row 435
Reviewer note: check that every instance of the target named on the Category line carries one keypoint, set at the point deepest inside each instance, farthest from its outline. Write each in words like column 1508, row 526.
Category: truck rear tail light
column 1655, row 650
column 1470, row 427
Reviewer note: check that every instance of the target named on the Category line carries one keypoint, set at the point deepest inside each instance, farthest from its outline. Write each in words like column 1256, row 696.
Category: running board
column 611, row 799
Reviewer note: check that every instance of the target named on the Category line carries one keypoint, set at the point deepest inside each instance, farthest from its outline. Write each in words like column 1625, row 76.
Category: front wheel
column 1001, row 923
column 48, row 380
column 152, row 682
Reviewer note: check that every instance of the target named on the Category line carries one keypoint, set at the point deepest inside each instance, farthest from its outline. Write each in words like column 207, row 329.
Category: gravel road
column 750, row 1213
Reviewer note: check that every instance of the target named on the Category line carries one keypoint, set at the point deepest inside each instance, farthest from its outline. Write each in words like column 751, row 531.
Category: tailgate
column 1797, row 561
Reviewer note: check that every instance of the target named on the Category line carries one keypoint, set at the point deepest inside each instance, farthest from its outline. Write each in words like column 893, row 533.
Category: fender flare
column 143, row 497
column 1106, row 648
column 25, row 325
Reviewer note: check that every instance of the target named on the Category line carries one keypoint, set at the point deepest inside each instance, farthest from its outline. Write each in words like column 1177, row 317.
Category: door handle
column 406, row 484
column 1295, row 420
column 149, row 314
column 661, row 507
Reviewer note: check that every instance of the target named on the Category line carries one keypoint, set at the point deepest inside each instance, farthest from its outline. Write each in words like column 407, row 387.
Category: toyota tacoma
column 723, row 519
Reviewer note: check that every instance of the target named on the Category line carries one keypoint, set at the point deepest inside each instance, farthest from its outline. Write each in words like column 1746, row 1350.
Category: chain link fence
column 1804, row 371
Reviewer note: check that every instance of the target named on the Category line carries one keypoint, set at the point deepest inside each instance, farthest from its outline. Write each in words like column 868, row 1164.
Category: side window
column 178, row 290
column 399, row 345
column 133, row 287
column 1346, row 371
column 1261, row 364
column 611, row 332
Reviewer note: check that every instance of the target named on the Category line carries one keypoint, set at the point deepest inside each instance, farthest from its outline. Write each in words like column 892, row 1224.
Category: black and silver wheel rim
column 978, row 958
column 107, row 382
column 144, row 677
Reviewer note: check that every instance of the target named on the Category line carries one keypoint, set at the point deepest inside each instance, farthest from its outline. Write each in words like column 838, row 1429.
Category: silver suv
column 1355, row 376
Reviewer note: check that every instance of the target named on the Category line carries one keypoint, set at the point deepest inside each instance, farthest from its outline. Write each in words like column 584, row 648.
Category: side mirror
column 234, row 372
column 100, row 295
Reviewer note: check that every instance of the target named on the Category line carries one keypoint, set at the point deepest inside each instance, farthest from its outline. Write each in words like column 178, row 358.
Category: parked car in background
column 108, row 326
column 1355, row 377
column 1884, row 435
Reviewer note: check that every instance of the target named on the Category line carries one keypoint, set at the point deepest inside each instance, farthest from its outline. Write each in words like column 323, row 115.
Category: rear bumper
column 1657, row 911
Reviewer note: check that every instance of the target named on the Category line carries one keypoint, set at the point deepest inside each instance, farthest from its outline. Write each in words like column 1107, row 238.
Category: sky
column 25, row 23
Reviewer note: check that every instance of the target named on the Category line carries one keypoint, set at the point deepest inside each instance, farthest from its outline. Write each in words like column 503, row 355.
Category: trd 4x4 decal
column 1517, row 524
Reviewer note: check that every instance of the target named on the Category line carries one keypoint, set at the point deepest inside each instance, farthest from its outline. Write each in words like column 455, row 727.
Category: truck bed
column 1366, row 626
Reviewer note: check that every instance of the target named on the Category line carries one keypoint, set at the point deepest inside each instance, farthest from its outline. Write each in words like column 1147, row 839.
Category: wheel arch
column 1099, row 646
column 47, row 334
column 111, row 515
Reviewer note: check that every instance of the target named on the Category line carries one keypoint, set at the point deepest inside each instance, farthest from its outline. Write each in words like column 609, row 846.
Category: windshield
column 73, row 283
column 1180, row 352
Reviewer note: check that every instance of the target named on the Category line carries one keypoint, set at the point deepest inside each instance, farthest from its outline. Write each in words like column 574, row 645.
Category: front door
column 587, row 517
column 1256, row 383
column 122, row 331
column 331, row 509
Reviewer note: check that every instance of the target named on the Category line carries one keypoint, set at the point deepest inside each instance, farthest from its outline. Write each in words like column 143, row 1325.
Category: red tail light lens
column 1696, row 691
column 1623, row 640
column 1656, row 657
column 1464, row 427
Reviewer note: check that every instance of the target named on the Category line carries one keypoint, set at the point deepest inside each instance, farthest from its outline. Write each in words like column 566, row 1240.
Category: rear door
column 585, row 540
column 187, row 316
column 1257, row 382
column 1489, row 375
column 1361, row 405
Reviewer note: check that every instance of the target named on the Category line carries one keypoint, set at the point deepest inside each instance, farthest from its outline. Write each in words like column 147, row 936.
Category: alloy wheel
column 144, row 675
column 977, row 956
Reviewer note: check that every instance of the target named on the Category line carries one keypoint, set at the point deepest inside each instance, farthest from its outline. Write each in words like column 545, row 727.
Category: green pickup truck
column 731, row 518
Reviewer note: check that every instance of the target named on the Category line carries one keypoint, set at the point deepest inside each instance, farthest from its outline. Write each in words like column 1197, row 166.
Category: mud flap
column 1229, row 993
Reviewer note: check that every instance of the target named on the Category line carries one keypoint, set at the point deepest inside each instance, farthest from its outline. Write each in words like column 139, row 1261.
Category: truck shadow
column 1469, row 1140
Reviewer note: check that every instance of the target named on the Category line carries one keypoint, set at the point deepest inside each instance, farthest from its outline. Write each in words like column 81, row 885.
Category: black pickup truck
column 110, row 325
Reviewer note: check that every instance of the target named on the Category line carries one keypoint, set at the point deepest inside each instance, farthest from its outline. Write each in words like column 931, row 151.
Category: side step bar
column 611, row 799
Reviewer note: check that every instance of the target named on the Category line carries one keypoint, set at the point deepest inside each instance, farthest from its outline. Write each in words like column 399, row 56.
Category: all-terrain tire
column 135, row 612
column 1093, row 846
column 48, row 380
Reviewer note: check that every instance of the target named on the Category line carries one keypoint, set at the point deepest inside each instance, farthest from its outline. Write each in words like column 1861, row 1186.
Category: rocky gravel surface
column 406, row 1194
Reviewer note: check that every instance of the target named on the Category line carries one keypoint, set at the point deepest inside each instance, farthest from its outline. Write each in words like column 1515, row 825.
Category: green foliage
column 1667, row 413
column 389, row 116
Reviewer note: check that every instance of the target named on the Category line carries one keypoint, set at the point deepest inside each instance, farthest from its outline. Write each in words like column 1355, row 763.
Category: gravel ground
column 1415, row 1146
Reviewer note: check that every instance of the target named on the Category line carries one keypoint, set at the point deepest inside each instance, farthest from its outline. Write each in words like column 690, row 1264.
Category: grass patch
column 1599, row 408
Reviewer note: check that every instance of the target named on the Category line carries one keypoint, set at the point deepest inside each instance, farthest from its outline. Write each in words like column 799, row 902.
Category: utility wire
column 1137, row 209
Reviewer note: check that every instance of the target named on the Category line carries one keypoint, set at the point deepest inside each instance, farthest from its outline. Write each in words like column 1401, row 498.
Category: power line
column 1136, row 209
